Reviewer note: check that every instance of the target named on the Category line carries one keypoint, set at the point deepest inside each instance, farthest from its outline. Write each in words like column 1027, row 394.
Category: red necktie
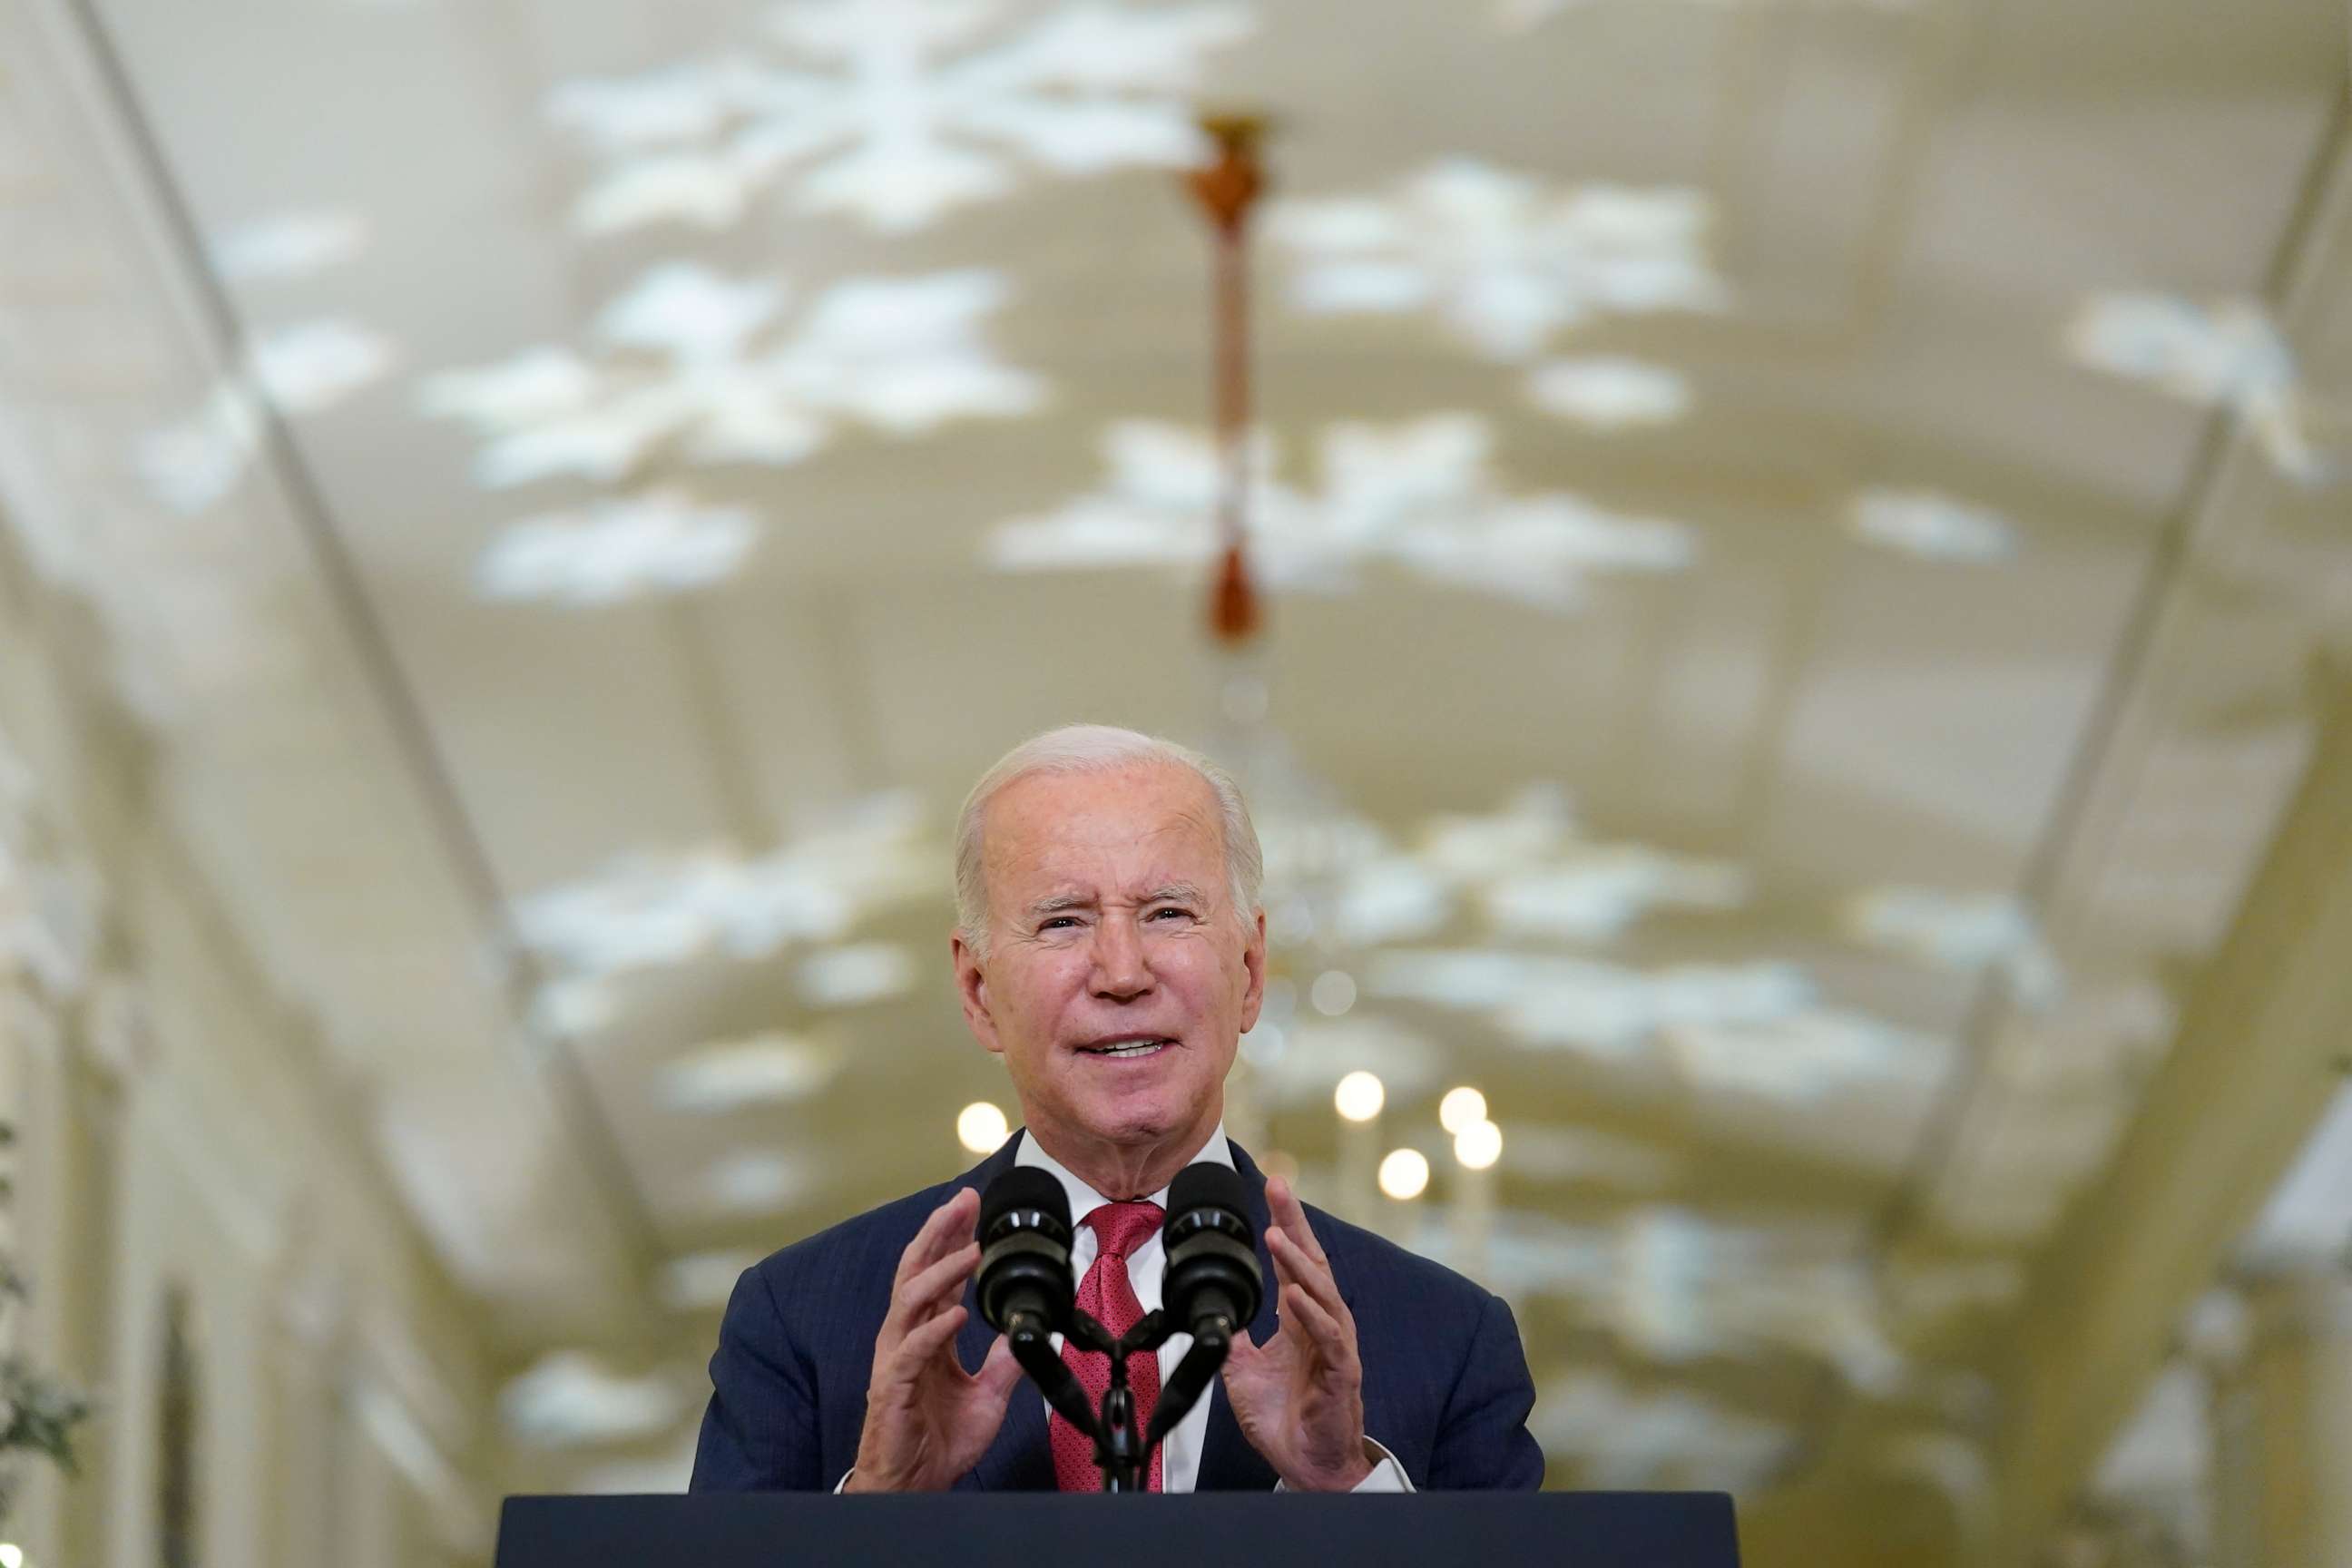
column 1106, row 1295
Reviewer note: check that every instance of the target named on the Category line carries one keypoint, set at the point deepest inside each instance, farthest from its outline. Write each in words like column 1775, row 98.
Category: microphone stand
column 1121, row 1452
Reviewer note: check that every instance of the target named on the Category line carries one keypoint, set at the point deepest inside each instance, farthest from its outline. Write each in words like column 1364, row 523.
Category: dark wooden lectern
column 1208, row 1529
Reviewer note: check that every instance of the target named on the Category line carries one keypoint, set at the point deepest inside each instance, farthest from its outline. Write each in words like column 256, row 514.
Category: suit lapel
column 1020, row 1460
column 1228, row 1463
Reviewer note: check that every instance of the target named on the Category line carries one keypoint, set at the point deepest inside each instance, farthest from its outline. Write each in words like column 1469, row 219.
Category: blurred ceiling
column 1798, row 535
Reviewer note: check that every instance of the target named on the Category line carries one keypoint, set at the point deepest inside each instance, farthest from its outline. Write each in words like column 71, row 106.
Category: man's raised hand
column 927, row 1421
column 1299, row 1397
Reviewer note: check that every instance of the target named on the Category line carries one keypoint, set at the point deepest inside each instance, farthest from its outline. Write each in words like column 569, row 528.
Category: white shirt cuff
column 1388, row 1475
column 844, row 1479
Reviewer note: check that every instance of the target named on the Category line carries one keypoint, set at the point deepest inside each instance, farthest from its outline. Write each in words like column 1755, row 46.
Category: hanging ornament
column 1227, row 188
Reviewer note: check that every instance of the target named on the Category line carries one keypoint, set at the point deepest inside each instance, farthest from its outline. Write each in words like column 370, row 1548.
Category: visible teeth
column 1136, row 1049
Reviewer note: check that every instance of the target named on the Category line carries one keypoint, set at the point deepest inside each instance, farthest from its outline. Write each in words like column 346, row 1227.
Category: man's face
column 1119, row 978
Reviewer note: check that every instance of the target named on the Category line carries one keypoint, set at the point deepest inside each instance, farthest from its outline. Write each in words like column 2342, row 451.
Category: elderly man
column 1109, row 947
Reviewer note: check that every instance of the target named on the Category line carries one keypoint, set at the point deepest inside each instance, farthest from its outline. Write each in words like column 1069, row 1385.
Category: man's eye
column 1057, row 920
column 1171, row 910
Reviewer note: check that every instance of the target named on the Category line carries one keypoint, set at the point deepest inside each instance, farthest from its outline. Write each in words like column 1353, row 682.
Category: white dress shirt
column 1147, row 1269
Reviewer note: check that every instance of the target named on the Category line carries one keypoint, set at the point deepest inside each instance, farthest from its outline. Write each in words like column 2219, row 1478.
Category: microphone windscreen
column 1209, row 1185
column 1025, row 1187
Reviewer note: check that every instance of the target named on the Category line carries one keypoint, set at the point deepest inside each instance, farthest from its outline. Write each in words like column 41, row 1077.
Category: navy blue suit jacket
column 1446, row 1387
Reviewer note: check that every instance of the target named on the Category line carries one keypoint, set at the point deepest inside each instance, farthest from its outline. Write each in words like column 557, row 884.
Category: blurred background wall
column 1800, row 713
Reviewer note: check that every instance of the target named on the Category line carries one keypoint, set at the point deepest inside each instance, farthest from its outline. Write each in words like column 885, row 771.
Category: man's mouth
column 1120, row 1048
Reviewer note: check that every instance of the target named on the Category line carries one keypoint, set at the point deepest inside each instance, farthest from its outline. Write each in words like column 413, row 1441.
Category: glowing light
column 647, row 909
column 767, row 1070
column 2227, row 352
column 1606, row 394
column 303, row 369
column 12, row 1556
column 1423, row 497
column 1930, row 526
column 1524, row 15
column 981, row 1128
column 1359, row 1097
column 570, row 1399
column 1963, row 932
column 1404, row 1175
column 1815, row 1053
column 1594, row 893
column 1503, row 260
column 1461, row 1109
column 895, row 113
column 313, row 366
column 1636, row 1440
column 698, row 367
column 853, row 975
column 753, row 1184
column 1404, row 1063
column 660, row 542
column 1478, row 1145
column 1333, row 993
column 699, row 1282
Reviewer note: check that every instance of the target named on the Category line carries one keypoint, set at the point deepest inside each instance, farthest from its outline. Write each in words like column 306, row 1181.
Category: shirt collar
column 1084, row 1199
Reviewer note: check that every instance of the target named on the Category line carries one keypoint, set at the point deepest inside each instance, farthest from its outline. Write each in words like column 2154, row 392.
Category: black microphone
column 1025, row 1287
column 1213, row 1285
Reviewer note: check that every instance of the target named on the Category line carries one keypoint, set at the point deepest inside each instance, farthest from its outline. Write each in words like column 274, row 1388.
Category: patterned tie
column 1105, row 1295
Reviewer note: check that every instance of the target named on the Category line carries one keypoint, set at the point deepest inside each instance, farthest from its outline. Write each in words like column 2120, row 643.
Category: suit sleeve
column 1483, row 1443
column 759, row 1433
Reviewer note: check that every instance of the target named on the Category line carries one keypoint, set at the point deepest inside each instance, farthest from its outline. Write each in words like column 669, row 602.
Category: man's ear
column 1254, row 963
column 972, row 989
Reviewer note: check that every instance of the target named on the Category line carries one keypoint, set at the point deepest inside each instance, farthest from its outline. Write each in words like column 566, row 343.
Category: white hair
column 1099, row 748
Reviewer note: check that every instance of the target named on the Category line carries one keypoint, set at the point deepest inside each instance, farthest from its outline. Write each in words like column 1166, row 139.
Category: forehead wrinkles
column 1028, row 846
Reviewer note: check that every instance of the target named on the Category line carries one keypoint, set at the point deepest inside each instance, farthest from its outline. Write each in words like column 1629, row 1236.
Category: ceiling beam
column 2261, row 1043
column 2054, row 1382
column 405, row 794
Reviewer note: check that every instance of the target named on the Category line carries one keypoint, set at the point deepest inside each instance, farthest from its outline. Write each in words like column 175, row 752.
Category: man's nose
column 1121, row 972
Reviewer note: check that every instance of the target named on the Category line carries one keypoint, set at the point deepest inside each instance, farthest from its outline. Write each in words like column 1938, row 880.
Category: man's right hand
column 927, row 1421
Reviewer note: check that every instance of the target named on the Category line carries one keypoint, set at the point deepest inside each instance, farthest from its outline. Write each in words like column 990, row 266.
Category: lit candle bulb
column 1358, row 1100
column 1477, row 1146
column 1405, row 1173
column 1461, row 1107
column 981, row 1128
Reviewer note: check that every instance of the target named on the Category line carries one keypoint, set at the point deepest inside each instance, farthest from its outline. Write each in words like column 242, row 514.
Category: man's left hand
column 1299, row 1397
